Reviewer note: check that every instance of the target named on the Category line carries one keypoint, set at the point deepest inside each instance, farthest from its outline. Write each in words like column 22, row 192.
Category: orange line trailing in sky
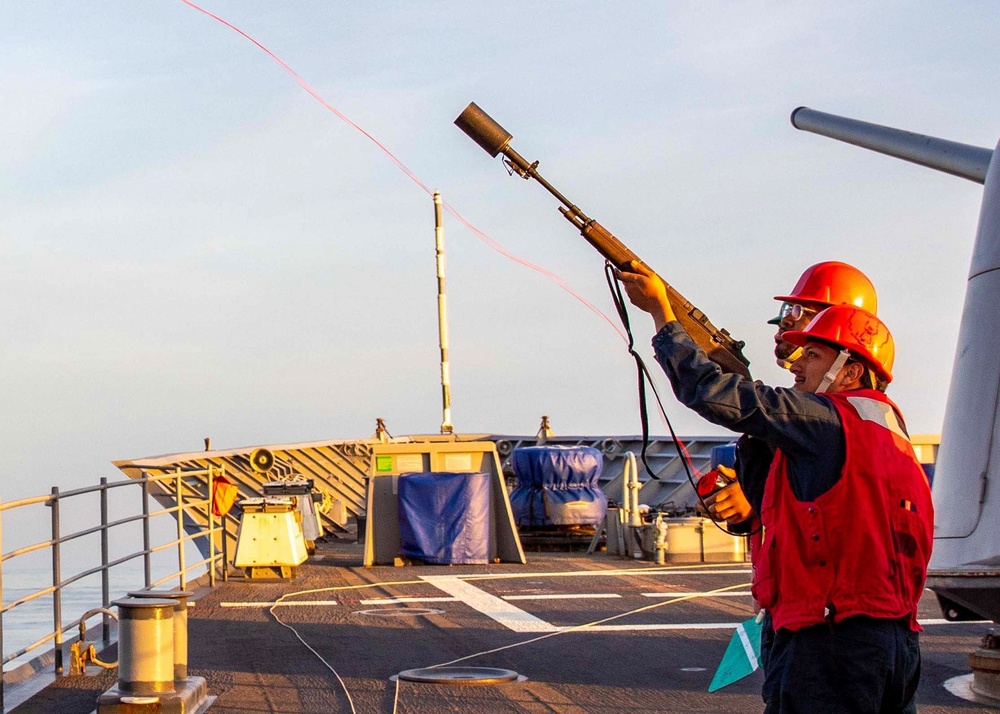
column 412, row 176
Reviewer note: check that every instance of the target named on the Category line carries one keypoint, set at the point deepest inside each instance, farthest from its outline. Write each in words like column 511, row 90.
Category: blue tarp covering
column 444, row 518
column 557, row 486
column 929, row 470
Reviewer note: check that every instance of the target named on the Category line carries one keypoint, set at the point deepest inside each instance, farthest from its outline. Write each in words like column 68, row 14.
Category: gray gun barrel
column 951, row 157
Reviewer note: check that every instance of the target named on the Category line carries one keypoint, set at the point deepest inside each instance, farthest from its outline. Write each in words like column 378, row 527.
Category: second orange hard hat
column 833, row 283
column 855, row 330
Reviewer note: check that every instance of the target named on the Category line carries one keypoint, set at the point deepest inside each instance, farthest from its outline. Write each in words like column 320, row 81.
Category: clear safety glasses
column 794, row 312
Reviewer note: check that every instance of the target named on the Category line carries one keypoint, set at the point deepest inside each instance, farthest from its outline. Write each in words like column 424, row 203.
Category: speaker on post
column 261, row 460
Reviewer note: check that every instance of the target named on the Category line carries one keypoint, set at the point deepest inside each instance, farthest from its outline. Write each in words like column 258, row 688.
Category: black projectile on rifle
column 494, row 139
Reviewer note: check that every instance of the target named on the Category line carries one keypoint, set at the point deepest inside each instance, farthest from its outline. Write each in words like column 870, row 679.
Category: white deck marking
column 595, row 573
column 961, row 686
column 942, row 621
column 511, row 617
column 283, row 603
column 738, row 593
column 658, row 626
column 705, row 626
column 397, row 600
column 565, row 596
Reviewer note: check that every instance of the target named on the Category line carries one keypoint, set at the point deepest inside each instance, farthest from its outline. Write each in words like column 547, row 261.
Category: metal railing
column 183, row 486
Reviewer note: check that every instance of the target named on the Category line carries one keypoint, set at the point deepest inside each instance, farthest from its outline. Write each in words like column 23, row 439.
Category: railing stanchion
column 146, row 558
column 207, row 521
column 225, row 548
column 225, row 538
column 180, row 529
column 211, row 531
column 57, row 581
column 105, row 574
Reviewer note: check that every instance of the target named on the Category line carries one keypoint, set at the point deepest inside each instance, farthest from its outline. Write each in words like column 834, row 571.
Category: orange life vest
column 862, row 547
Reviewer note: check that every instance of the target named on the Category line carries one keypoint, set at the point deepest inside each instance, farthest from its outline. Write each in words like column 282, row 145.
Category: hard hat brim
column 799, row 339
column 808, row 302
column 796, row 337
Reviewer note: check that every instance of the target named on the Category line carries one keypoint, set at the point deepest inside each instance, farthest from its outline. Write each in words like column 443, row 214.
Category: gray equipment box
column 390, row 460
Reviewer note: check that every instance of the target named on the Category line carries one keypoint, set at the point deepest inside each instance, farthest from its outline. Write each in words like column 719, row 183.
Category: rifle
column 717, row 343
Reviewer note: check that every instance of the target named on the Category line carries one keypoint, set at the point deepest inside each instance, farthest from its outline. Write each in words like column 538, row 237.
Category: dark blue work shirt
column 805, row 426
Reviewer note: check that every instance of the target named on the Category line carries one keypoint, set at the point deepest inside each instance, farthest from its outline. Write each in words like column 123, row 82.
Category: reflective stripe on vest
column 879, row 412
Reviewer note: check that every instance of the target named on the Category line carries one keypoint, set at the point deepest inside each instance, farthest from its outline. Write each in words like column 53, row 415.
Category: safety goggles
column 792, row 311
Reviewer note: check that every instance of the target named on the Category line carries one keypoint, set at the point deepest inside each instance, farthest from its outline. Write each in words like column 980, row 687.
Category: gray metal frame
column 663, row 484
column 382, row 537
column 191, row 495
column 965, row 566
column 341, row 467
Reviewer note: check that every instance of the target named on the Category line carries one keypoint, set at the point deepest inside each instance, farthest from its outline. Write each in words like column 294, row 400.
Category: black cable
column 643, row 375
column 619, row 301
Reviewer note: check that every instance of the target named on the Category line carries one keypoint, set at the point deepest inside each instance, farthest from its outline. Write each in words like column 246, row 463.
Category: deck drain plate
column 459, row 675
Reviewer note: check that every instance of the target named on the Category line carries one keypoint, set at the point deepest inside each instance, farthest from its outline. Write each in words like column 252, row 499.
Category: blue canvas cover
column 444, row 518
column 557, row 486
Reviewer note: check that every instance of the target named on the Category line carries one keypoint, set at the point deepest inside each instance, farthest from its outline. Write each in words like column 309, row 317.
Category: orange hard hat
column 852, row 329
column 834, row 283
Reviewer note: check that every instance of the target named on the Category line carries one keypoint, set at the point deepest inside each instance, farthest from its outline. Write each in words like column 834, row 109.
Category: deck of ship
column 649, row 653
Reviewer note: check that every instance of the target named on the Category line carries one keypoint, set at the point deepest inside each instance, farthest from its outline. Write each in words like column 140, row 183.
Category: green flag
column 742, row 657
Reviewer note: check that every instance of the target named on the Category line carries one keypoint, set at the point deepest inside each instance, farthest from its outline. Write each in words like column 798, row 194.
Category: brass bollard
column 152, row 658
column 145, row 645
column 180, row 620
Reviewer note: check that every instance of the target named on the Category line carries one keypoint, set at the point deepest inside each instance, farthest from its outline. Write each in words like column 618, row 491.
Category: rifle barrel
column 962, row 160
column 495, row 140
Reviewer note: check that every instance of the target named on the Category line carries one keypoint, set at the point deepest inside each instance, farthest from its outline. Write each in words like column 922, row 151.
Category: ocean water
column 27, row 526
column 29, row 622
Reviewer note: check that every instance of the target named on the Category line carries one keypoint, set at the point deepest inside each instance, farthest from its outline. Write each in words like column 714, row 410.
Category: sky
column 193, row 246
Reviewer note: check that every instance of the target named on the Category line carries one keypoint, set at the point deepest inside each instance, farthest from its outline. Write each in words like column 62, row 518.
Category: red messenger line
column 491, row 243
column 560, row 282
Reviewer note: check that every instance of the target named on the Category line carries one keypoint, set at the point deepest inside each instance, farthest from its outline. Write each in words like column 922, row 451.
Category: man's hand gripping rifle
column 494, row 139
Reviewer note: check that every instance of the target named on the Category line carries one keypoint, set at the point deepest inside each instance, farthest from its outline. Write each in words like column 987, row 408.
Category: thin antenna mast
column 446, row 425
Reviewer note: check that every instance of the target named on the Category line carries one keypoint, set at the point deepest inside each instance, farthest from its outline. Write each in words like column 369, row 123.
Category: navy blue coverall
column 860, row 664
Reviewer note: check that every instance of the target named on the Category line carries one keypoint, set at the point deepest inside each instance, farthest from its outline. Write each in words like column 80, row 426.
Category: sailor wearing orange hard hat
column 820, row 286
column 846, row 510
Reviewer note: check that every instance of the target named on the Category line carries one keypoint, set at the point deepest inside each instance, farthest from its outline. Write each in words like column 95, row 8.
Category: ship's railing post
column 105, row 571
column 211, row 531
column 180, row 529
column 57, row 581
column 225, row 548
column 147, row 556
column 223, row 521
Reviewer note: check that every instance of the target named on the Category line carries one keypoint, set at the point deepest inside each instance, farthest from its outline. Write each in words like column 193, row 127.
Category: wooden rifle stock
column 720, row 347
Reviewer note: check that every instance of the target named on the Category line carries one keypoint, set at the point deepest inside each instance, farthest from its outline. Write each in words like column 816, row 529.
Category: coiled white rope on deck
column 489, row 576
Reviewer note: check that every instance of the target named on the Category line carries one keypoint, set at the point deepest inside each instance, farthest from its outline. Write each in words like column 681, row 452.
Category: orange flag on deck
column 224, row 495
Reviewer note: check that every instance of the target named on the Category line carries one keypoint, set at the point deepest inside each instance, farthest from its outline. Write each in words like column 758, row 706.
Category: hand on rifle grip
column 647, row 292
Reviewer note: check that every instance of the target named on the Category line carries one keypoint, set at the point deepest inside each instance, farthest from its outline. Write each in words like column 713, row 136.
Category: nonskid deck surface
column 369, row 624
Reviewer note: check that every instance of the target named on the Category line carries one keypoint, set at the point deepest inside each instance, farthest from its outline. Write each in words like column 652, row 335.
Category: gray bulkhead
column 965, row 566
column 967, row 475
